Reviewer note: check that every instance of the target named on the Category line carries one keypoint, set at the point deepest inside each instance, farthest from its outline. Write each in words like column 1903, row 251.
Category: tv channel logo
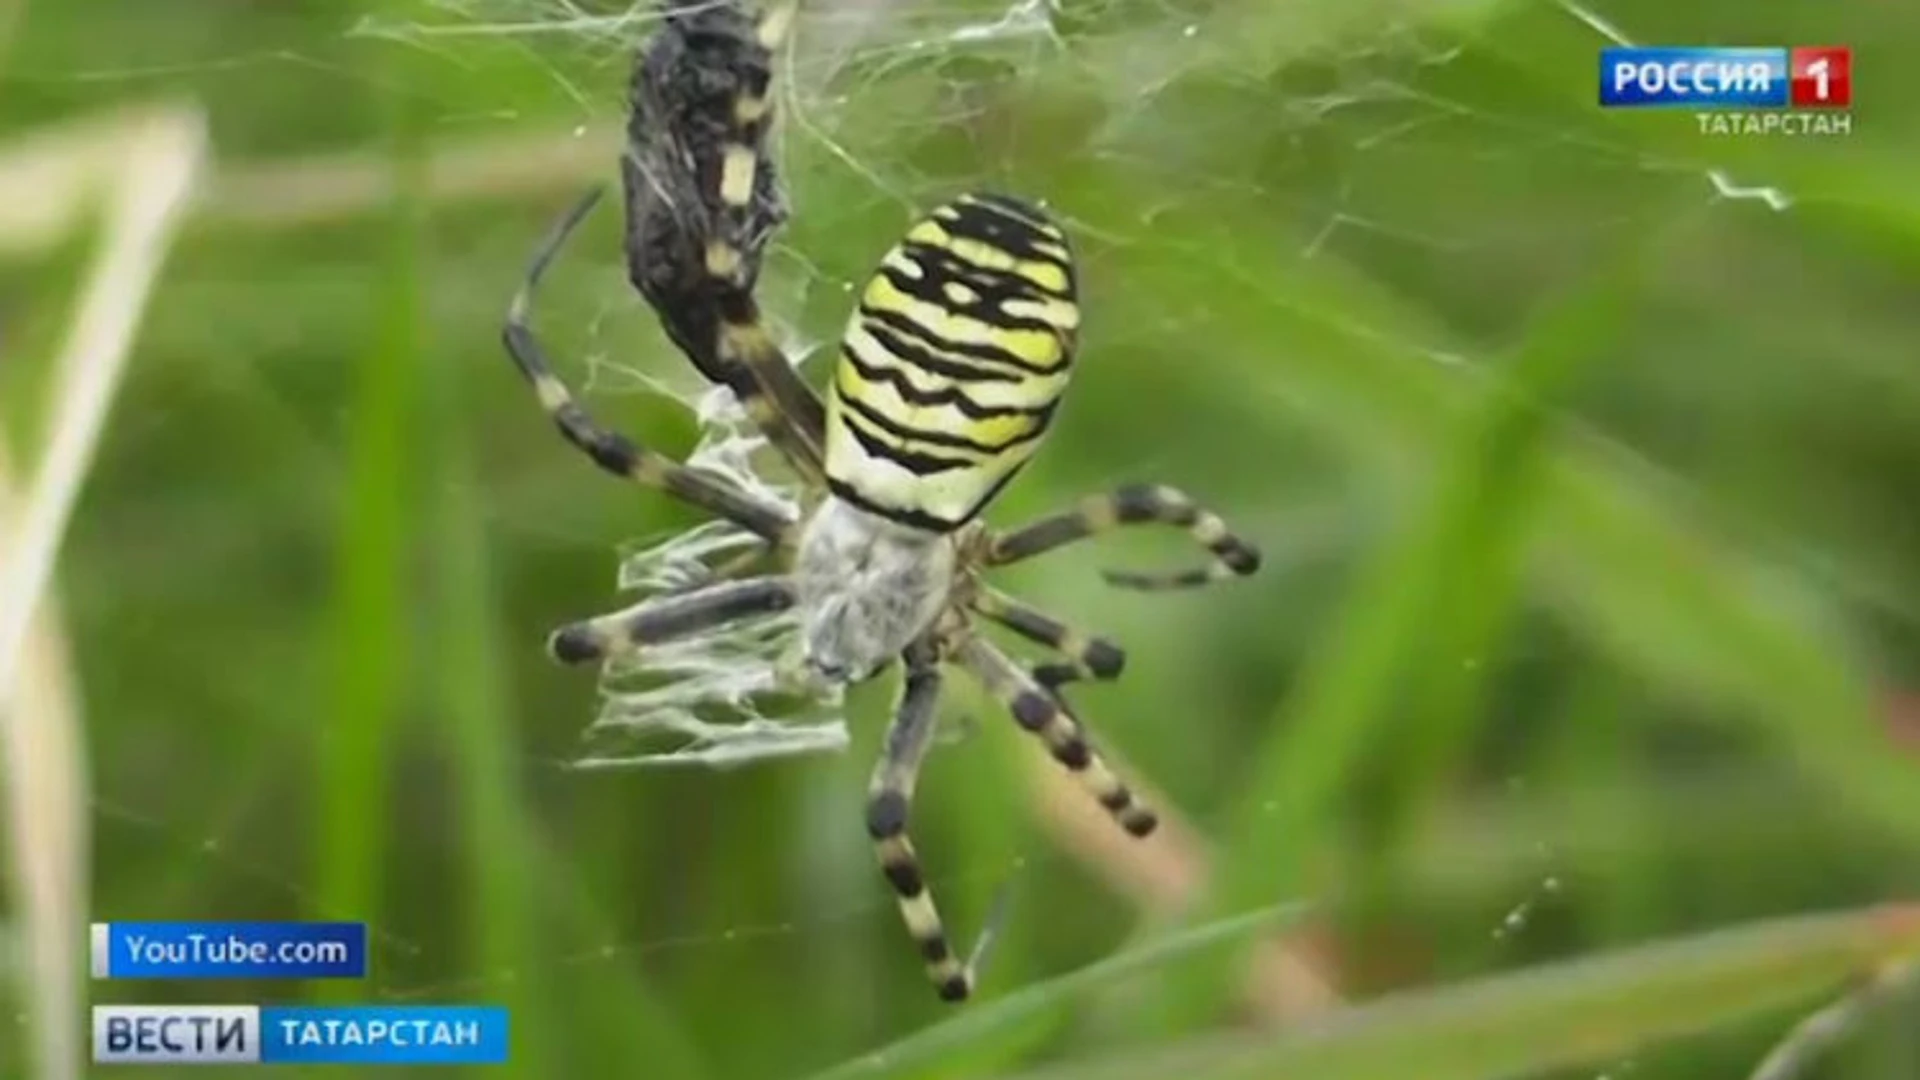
column 1706, row 78
column 298, row 1034
column 186, row 1035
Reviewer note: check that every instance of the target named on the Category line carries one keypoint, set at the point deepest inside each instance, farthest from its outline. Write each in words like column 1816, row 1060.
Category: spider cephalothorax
column 866, row 587
column 950, row 371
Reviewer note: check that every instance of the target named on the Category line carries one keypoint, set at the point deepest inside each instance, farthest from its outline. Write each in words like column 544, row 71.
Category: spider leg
column 667, row 617
column 1040, row 710
column 802, row 416
column 613, row 452
column 889, row 798
column 1054, row 678
column 1132, row 505
column 1087, row 657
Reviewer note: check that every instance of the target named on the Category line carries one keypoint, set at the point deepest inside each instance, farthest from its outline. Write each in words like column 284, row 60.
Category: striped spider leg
column 890, row 801
column 611, row 451
column 1039, row 711
column 672, row 616
column 665, row 618
column 1132, row 505
column 1086, row 657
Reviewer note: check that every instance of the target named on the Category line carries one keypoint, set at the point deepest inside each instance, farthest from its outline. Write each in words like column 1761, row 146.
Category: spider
column 949, row 374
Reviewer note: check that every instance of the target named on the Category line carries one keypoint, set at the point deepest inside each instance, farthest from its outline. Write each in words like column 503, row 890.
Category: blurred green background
column 1587, row 484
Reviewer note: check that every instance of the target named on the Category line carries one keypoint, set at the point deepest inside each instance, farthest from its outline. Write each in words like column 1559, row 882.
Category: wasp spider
column 949, row 373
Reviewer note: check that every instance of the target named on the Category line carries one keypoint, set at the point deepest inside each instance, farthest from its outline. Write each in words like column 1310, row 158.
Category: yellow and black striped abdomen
column 953, row 363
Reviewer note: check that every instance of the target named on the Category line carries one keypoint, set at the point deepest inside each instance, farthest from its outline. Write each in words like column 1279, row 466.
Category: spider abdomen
column 952, row 364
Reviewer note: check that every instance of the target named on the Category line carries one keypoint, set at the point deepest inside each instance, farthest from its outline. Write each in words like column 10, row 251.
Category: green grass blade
column 1580, row 1012
column 1036, row 1003
column 369, row 617
column 502, row 833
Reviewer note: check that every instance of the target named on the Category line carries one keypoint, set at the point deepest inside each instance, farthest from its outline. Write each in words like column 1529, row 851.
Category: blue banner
column 300, row 1035
column 1696, row 77
column 229, row 950
column 383, row 1035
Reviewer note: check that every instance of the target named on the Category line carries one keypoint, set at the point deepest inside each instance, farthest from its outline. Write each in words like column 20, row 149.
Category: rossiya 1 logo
column 1745, row 90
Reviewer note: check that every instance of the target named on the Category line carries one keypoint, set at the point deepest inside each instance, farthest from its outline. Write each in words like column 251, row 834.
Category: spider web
column 730, row 696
